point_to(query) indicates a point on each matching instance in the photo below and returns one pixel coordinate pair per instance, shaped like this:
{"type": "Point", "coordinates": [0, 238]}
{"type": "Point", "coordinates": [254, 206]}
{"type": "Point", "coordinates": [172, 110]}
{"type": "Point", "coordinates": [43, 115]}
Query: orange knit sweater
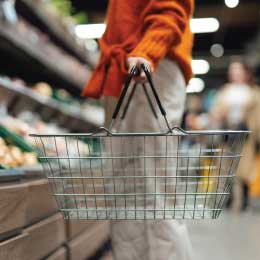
{"type": "Point", "coordinates": [151, 29]}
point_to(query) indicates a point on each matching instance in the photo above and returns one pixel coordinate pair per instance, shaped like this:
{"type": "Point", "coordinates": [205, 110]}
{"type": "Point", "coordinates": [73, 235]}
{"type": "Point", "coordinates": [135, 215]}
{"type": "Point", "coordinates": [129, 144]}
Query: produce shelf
{"type": "Point", "coordinates": [82, 122]}
{"type": "Point", "coordinates": [56, 65]}
{"type": "Point", "coordinates": [11, 174]}
{"type": "Point", "coordinates": [35, 12]}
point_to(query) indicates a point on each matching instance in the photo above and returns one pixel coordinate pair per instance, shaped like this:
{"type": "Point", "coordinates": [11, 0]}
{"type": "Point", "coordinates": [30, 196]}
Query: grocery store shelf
{"type": "Point", "coordinates": [28, 172]}
{"type": "Point", "coordinates": [89, 120]}
{"type": "Point", "coordinates": [35, 171]}
{"type": "Point", "coordinates": [62, 68]}
{"type": "Point", "coordinates": [35, 13]}
{"type": "Point", "coordinates": [11, 174]}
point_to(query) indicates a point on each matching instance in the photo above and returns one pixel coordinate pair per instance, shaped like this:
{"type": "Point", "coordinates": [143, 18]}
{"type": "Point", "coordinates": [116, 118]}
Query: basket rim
{"type": "Point", "coordinates": [176, 131]}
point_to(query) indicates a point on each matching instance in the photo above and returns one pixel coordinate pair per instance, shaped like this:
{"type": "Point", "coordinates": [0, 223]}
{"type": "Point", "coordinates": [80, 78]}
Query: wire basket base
{"type": "Point", "coordinates": [135, 214]}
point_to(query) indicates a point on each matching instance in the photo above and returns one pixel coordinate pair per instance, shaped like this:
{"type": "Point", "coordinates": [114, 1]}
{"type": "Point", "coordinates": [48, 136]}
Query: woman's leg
{"type": "Point", "coordinates": [154, 239]}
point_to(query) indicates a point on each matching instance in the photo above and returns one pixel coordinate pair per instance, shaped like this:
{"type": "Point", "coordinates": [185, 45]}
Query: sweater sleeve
{"type": "Point", "coordinates": [164, 24]}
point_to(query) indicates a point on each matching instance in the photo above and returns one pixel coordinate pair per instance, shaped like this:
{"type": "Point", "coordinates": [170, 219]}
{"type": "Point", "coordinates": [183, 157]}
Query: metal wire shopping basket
{"type": "Point", "coordinates": [175, 174]}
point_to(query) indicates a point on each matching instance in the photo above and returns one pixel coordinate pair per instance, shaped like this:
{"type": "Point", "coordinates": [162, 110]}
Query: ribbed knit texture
{"type": "Point", "coordinates": [152, 29]}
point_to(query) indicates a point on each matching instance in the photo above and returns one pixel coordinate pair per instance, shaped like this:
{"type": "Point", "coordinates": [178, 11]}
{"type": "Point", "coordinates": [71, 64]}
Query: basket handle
{"type": "Point", "coordinates": [150, 81]}
{"type": "Point", "coordinates": [132, 73]}
{"type": "Point", "coordinates": [130, 98]}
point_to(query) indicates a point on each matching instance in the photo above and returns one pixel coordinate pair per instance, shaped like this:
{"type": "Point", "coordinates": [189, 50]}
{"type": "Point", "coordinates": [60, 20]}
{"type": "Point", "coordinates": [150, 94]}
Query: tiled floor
{"type": "Point", "coordinates": [232, 237]}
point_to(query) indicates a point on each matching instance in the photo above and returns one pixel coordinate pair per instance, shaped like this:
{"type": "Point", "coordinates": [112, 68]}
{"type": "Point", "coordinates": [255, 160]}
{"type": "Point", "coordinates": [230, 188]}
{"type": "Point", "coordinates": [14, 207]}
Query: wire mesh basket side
{"type": "Point", "coordinates": [141, 177]}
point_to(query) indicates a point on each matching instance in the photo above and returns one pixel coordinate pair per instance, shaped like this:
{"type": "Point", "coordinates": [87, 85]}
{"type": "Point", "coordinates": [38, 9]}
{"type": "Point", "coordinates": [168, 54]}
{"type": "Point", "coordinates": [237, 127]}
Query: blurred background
{"type": "Point", "coordinates": [48, 49]}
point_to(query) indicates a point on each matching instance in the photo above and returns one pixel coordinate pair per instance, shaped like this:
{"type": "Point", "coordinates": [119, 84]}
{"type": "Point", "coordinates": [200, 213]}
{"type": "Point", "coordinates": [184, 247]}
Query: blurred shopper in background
{"type": "Point", "coordinates": [157, 34]}
{"type": "Point", "coordinates": [237, 107]}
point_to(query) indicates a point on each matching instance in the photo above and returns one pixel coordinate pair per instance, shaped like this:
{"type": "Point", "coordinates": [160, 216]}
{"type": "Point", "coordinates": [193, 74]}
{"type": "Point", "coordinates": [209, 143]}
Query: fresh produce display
{"type": "Point", "coordinates": [14, 139]}
{"type": "Point", "coordinates": [63, 96]}
{"type": "Point", "coordinates": [18, 149]}
{"type": "Point", "coordinates": [43, 89]}
{"type": "Point", "coordinates": [53, 98]}
{"type": "Point", "coordinates": [12, 156]}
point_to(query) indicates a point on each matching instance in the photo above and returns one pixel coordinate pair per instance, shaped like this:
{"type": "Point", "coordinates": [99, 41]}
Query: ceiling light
{"type": "Point", "coordinates": [204, 25]}
{"type": "Point", "coordinates": [231, 3]}
{"type": "Point", "coordinates": [217, 50]}
{"type": "Point", "coordinates": [200, 66]}
{"type": "Point", "coordinates": [95, 31]}
{"type": "Point", "coordinates": [196, 85]}
{"type": "Point", "coordinates": [90, 31]}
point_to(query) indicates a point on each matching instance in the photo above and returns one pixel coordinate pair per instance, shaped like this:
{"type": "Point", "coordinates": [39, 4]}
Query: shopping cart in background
{"type": "Point", "coordinates": [141, 175]}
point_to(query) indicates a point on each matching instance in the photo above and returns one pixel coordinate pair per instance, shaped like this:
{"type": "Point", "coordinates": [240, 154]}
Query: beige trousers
{"type": "Point", "coordinates": [152, 240]}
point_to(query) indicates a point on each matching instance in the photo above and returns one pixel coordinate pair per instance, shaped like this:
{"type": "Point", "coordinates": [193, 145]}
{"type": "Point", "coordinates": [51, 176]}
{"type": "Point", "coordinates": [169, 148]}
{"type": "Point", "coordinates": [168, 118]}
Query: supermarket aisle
{"type": "Point", "coordinates": [232, 237]}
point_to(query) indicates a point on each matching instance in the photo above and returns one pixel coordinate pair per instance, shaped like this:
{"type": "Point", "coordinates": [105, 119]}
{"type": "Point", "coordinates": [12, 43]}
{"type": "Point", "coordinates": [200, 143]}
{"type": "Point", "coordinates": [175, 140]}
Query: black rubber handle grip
{"type": "Point", "coordinates": [132, 73]}
{"type": "Point", "coordinates": [129, 101]}
{"type": "Point", "coordinates": [149, 78]}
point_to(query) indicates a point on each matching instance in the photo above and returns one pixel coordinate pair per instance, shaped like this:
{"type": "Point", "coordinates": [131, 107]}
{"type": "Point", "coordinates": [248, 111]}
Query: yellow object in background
{"type": "Point", "coordinates": [206, 182]}
{"type": "Point", "coordinates": [255, 185]}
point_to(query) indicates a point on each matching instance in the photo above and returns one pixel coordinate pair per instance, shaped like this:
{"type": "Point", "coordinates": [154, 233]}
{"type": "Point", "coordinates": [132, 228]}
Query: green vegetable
{"type": "Point", "coordinates": [13, 139]}
{"type": "Point", "coordinates": [65, 9]}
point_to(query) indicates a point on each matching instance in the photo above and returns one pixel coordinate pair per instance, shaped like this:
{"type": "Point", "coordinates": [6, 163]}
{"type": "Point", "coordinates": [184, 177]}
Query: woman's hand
{"type": "Point", "coordinates": [132, 61]}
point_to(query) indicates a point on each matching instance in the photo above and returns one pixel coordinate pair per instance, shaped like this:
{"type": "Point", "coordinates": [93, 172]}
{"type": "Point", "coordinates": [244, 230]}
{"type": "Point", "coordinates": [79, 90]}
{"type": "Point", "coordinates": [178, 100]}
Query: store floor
{"type": "Point", "coordinates": [232, 237]}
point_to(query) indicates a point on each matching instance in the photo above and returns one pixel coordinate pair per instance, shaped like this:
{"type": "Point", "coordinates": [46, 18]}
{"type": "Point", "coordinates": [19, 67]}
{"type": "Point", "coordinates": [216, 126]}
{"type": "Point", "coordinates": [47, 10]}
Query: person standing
{"type": "Point", "coordinates": [237, 105]}
{"type": "Point", "coordinates": [155, 33]}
